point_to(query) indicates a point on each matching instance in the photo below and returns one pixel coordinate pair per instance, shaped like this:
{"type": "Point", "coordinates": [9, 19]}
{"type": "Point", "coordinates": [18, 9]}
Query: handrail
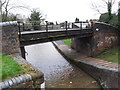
{"type": "Point", "coordinates": [8, 23]}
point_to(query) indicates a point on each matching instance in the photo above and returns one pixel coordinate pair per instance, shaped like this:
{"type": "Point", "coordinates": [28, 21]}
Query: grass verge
{"type": "Point", "coordinates": [10, 68]}
{"type": "Point", "coordinates": [68, 42]}
{"type": "Point", "coordinates": [110, 55]}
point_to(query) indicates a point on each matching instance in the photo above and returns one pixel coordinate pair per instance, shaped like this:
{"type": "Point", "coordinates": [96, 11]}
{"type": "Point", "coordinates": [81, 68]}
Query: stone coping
{"type": "Point", "coordinates": [23, 78]}
{"type": "Point", "coordinates": [8, 23]}
{"type": "Point", "coordinates": [67, 51]}
{"type": "Point", "coordinates": [19, 80]}
{"type": "Point", "coordinates": [103, 23]}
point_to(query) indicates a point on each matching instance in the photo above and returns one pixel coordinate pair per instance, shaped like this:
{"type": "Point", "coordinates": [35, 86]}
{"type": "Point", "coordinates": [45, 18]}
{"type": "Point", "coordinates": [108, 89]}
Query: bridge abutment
{"type": "Point", "coordinates": [104, 37]}
{"type": "Point", "coordinates": [83, 45]}
{"type": "Point", "coordinates": [9, 39]}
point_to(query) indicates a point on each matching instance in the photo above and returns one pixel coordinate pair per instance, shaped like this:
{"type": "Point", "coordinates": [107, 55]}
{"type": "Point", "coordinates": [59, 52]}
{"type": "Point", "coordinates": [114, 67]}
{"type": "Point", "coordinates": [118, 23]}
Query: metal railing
{"type": "Point", "coordinates": [48, 27]}
{"type": "Point", "coordinates": [35, 25]}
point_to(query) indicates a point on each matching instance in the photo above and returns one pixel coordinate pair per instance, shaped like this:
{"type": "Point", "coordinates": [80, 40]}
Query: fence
{"type": "Point", "coordinates": [37, 25]}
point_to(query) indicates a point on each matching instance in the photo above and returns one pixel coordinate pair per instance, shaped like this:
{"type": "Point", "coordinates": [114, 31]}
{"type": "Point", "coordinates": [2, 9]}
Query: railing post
{"type": "Point", "coordinates": [23, 26]}
{"type": "Point", "coordinates": [19, 29]}
{"type": "Point", "coordinates": [47, 27]}
{"type": "Point", "coordinates": [81, 25]}
{"type": "Point", "coordinates": [66, 26]}
{"type": "Point", "coordinates": [92, 25]}
{"type": "Point", "coordinates": [72, 25]}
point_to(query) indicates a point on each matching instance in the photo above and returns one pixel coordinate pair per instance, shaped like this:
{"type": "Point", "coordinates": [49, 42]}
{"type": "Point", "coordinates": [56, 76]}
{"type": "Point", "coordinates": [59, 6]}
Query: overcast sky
{"type": "Point", "coordinates": [62, 10]}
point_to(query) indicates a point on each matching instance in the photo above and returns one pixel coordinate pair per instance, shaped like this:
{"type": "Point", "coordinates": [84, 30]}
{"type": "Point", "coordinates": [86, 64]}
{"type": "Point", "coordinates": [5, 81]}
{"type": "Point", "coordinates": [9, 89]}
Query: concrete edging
{"type": "Point", "coordinates": [106, 76]}
{"type": "Point", "coordinates": [19, 80]}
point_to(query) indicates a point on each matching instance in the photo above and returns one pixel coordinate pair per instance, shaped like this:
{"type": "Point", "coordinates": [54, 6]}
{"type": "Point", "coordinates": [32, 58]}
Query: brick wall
{"type": "Point", "coordinates": [104, 37]}
{"type": "Point", "coordinates": [9, 38]}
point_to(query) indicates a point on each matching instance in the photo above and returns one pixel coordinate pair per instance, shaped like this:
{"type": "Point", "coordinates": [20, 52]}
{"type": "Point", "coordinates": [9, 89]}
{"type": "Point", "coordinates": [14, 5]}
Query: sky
{"type": "Point", "coordinates": [64, 10]}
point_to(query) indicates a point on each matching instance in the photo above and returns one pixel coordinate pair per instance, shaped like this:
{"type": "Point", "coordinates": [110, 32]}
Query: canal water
{"type": "Point", "coordinates": [58, 72]}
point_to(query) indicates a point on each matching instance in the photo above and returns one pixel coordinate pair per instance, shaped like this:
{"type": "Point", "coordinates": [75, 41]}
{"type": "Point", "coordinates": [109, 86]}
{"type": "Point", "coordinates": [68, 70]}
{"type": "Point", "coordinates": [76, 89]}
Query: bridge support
{"type": "Point", "coordinates": [104, 37]}
{"type": "Point", "coordinates": [23, 52]}
{"type": "Point", "coordinates": [9, 38]}
{"type": "Point", "coordinates": [83, 45]}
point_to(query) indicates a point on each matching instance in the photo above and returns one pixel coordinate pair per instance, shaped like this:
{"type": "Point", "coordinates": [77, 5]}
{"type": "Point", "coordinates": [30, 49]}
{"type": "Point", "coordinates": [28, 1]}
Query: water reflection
{"type": "Point", "coordinates": [58, 72]}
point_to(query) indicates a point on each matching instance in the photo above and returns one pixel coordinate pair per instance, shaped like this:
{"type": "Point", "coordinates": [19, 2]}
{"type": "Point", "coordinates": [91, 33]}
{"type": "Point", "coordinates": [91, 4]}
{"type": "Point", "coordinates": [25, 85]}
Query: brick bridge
{"type": "Point", "coordinates": [93, 39]}
{"type": "Point", "coordinates": [88, 41]}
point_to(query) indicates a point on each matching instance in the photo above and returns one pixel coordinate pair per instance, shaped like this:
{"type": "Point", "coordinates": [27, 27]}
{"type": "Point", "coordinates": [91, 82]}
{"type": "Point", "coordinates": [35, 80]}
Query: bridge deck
{"type": "Point", "coordinates": [34, 37]}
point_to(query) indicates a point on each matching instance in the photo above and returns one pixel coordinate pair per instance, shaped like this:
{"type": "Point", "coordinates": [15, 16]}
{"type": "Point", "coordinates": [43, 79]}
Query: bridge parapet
{"type": "Point", "coordinates": [105, 36]}
{"type": "Point", "coordinates": [9, 38]}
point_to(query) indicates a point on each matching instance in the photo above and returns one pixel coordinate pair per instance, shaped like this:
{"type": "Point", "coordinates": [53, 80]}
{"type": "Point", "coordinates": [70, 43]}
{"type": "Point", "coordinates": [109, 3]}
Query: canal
{"type": "Point", "coordinates": [58, 72]}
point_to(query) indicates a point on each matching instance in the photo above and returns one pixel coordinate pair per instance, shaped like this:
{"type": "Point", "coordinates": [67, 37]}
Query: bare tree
{"type": "Point", "coordinates": [7, 5]}
{"type": "Point", "coordinates": [107, 4]}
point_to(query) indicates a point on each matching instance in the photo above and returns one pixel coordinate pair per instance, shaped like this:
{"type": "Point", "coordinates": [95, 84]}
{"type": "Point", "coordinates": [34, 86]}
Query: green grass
{"type": "Point", "coordinates": [10, 68]}
{"type": "Point", "coordinates": [68, 42]}
{"type": "Point", "coordinates": [110, 55]}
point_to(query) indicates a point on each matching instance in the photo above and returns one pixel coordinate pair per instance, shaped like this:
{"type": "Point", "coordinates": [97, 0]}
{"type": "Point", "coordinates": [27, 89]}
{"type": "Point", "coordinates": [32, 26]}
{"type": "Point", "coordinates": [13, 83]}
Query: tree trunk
{"type": "Point", "coordinates": [119, 15]}
{"type": "Point", "coordinates": [109, 10]}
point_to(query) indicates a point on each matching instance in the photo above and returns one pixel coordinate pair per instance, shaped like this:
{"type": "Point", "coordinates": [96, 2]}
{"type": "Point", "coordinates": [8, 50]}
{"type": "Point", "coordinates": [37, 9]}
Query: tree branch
{"type": "Point", "coordinates": [2, 3]}
{"type": "Point", "coordinates": [18, 7]}
{"type": "Point", "coordinates": [95, 7]}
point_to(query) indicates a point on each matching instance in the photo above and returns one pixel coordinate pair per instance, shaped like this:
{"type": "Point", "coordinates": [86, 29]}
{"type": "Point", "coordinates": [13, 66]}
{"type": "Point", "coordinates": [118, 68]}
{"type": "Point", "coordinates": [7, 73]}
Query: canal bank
{"type": "Point", "coordinates": [58, 72]}
{"type": "Point", "coordinates": [106, 73]}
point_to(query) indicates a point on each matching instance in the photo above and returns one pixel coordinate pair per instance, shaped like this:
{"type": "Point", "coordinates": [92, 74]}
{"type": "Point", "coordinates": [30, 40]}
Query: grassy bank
{"type": "Point", "coordinates": [68, 42]}
{"type": "Point", "coordinates": [109, 55]}
{"type": "Point", "coordinates": [10, 68]}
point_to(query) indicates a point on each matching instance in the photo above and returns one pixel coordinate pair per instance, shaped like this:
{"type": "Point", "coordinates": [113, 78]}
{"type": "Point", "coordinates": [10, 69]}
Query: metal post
{"type": "Point", "coordinates": [92, 25]}
{"type": "Point", "coordinates": [23, 52]}
{"type": "Point", "coordinates": [72, 25]}
{"type": "Point", "coordinates": [23, 26]}
{"type": "Point", "coordinates": [66, 26]}
{"type": "Point", "coordinates": [47, 27]}
{"type": "Point", "coordinates": [19, 30]}
{"type": "Point", "coordinates": [81, 25]}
